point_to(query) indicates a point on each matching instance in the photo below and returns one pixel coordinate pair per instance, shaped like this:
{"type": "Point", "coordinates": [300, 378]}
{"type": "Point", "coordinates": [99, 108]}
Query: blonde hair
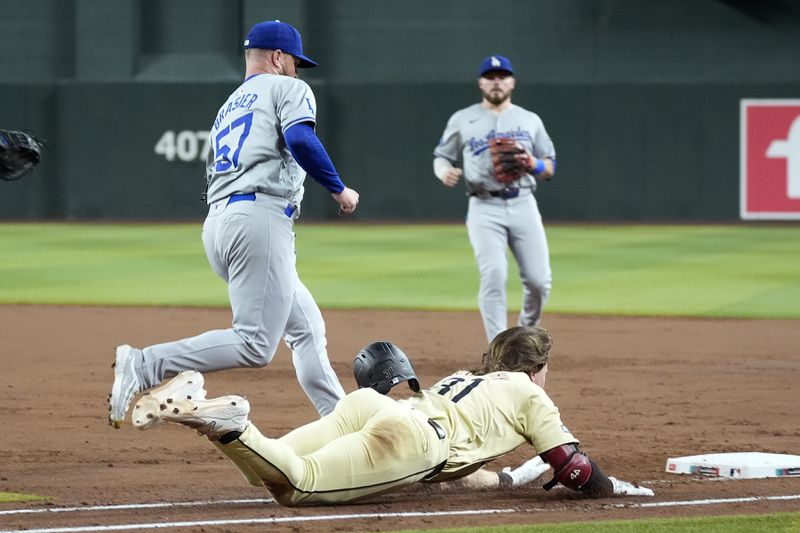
{"type": "Point", "coordinates": [518, 349]}
{"type": "Point", "coordinates": [257, 54]}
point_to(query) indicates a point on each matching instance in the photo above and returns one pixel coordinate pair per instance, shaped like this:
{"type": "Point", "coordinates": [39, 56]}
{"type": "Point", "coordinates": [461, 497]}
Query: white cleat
{"type": "Point", "coordinates": [125, 387]}
{"type": "Point", "coordinates": [188, 385]}
{"type": "Point", "coordinates": [212, 418]}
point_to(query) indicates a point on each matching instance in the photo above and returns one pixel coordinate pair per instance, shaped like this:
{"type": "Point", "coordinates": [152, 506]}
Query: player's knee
{"type": "Point", "coordinates": [287, 498]}
{"type": "Point", "coordinates": [259, 353]}
{"type": "Point", "coordinates": [537, 283]}
{"type": "Point", "coordinates": [493, 276]}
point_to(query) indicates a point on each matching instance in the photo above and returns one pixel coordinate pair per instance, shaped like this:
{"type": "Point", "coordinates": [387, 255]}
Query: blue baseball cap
{"type": "Point", "coordinates": [277, 35]}
{"type": "Point", "coordinates": [496, 63]}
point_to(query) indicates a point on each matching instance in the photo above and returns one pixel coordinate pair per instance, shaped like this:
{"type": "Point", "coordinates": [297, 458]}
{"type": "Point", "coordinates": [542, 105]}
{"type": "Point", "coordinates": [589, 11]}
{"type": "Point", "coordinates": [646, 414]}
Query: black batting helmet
{"type": "Point", "coordinates": [382, 365]}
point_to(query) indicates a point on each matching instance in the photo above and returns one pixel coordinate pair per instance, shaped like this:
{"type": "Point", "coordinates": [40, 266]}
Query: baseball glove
{"type": "Point", "coordinates": [19, 154]}
{"type": "Point", "coordinates": [509, 158]}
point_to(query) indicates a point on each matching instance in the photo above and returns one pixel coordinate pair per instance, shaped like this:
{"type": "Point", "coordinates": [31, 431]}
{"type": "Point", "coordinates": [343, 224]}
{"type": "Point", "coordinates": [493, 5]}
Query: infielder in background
{"type": "Point", "coordinates": [262, 145]}
{"type": "Point", "coordinates": [503, 150]}
{"type": "Point", "coordinates": [372, 443]}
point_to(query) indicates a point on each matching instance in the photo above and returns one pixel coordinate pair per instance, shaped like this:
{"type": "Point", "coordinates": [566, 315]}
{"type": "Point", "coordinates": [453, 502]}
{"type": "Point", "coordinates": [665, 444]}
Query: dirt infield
{"type": "Point", "coordinates": [634, 390]}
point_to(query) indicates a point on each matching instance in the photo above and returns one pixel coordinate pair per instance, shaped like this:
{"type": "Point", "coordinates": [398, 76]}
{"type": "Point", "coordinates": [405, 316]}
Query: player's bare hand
{"type": "Point", "coordinates": [347, 200]}
{"type": "Point", "coordinates": [451, 176]}
{"type": "Point", "coordinates": [526, 159]}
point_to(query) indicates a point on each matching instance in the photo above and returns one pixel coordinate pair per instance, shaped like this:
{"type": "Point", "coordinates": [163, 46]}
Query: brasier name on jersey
{"type": "Point", "coordinates": [244, 101]}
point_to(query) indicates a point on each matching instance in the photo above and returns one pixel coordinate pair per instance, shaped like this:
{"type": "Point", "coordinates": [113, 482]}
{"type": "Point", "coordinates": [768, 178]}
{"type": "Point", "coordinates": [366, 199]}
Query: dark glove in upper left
{"type": "Point", "coordinates": [20, 152]}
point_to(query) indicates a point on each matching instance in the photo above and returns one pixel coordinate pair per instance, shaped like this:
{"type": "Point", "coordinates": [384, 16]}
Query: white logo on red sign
{"type": "Point", "coordinates": [789, 149]}
{"type": "Point", "coordinates": [770, 159]}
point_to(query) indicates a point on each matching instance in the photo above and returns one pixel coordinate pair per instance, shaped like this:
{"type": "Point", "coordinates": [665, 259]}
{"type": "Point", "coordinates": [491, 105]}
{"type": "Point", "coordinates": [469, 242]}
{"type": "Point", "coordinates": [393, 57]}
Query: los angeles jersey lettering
{"type": "Point", "coordinates": [466, 137]}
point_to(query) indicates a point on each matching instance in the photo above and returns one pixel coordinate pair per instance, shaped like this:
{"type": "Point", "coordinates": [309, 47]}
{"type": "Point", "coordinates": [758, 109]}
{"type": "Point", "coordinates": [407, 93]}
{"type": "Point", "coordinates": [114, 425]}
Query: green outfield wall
{"type": "Point", "coordinates": [640, 98]}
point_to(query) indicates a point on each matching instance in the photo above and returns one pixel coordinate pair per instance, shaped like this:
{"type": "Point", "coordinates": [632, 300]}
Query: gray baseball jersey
{"type": "Point", "coordinates": [255, 187]}
{"type": "Point", "coordinates": [248, 152]}
{"type": "Point", "coordinates": [466, 141]}
{"type": "Point", "coordinates": [497, 223]}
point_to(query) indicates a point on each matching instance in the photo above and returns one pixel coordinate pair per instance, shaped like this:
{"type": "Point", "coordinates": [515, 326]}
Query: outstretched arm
{"type": "Point", "coordinates": [507, 478]}
{"type": "Point", "coordinates": [309, 153]}
{"type": "Point", "coordinates": [575, 470]}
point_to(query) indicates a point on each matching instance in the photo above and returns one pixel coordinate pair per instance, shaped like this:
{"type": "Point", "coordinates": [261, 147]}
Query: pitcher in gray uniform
{"type": "Point", "coordinates": [262, 146]}
{"type": "Point", "coordinates": [500, 215]}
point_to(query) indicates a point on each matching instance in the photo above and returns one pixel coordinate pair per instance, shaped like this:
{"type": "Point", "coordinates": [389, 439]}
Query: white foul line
{"type": "Point", "coordinates": [250, 521]}
{"type": "Point", "coordinates": [125, 506]}
{"type": "Point", "coordinates": [318, 518]}
{"type": "Point", "coordinates": [711, 501]}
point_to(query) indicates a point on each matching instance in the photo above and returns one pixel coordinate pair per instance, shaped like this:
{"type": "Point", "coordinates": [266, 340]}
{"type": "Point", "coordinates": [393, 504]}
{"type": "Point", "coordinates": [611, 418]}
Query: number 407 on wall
{"type": "Point", "coordinates": [185, 145]}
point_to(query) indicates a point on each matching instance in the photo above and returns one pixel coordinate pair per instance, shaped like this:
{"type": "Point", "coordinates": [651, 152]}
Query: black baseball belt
{"type": "Point", "coordinates": [506, 194]}
{"type": "Point", "coordinates": [437, 428]}
{"type": "Point", "coordinates": [441, 434]}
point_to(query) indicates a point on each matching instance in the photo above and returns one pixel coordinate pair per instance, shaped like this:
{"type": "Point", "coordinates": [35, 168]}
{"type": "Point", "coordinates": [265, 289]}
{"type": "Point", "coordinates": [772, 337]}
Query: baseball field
{"type": "Point", "coordinates": [670, 340]}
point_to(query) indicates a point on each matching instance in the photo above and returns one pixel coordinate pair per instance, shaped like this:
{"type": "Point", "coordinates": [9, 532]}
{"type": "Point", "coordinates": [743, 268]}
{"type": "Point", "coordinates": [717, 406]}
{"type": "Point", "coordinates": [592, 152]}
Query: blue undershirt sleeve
{"type": "Point", "coordinates": [309, 153]}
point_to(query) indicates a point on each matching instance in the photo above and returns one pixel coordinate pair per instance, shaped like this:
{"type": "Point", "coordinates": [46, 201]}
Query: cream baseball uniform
{"type": "Point", "coordinates": [371, 443]}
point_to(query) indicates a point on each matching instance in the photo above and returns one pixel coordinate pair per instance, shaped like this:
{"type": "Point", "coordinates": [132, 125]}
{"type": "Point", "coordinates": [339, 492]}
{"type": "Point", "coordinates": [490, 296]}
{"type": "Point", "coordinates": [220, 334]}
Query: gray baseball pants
{"type": "Point", "coordinates": [250, 244]}
{"type": "Point", "coordinates": [495, 225]}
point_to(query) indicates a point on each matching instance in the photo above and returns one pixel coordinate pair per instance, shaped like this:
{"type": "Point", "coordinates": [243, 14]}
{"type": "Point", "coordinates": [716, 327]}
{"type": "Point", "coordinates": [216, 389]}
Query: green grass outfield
{"type": "Point", "coordinates": [663, 270]}
{"type": "Point", "coordinates": [780, 522]}
{"type": "Point", "coordinates": [9, 497]}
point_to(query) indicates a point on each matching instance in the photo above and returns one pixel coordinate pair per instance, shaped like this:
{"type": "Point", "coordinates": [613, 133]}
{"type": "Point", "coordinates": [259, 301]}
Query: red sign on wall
{"type": "Point", "coordinates": [770, 160]}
